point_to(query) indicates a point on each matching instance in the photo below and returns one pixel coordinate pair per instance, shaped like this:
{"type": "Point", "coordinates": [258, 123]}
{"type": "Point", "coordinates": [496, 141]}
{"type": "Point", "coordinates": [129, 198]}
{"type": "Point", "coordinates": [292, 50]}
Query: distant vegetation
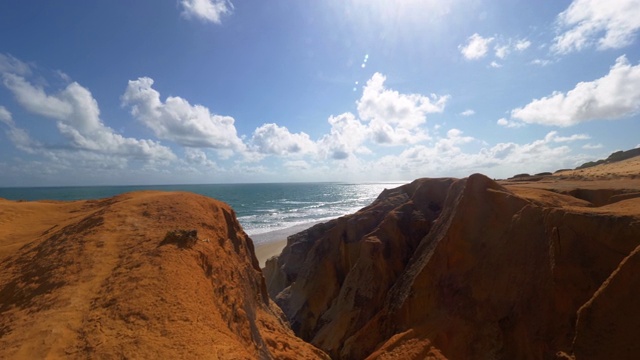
{"type": "Point", "coordinates": [616, 156]}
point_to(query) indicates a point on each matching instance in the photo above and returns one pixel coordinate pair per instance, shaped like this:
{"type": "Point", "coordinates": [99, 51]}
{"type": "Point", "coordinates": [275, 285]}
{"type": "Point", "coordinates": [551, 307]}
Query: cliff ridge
{"type": "Point", "coordinates": [455, 268]}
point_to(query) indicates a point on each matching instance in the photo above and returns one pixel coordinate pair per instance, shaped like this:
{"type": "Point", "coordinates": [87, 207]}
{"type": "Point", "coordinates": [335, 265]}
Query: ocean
{"type": "Point", "coordinates": [261, 208]}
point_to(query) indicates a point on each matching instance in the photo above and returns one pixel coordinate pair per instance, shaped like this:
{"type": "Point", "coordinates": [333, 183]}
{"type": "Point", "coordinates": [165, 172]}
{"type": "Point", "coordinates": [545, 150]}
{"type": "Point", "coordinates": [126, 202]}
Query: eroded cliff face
{"type": "Point", "coordinates": [456, 268]}
{"type": "Point", "coordinates": [347, 266]}
{"type": "Point", "coordinates": [608, 323]}
{"type": "Point", "coordinates": [141, 275]}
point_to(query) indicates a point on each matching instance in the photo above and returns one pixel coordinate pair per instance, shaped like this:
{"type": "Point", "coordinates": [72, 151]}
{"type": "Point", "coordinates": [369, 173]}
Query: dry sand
{"type": "Point", "coordinates": [99, 279]}
{"type": "Point", "coordinates": [268, 250]}
{"type": "Point", "coordinates": [270, 244]}
{"type": "Point", "coordinates": [625, 168]}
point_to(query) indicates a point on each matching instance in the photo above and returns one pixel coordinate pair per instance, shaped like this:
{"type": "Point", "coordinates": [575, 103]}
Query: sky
{"type": "Point", "coordinates": [223, 91]}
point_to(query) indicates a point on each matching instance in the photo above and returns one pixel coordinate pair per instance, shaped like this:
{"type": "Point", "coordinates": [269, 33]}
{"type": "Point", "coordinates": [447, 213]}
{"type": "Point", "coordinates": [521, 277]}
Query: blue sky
{"type": "Point", "coordinates": [210, 91]}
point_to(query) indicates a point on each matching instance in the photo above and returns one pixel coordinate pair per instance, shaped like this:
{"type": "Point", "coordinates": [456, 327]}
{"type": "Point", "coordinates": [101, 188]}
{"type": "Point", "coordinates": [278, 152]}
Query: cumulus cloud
{"type": "Point", "coordinates": [495, 65]}
{"type": "Point", "coordinates": [198, 157]}
{"type": "Point", "coordinates": [604, 24]}
{"type": "Point", "coordinates": [385, 117]}
{"type": "Point", "coordinates": [78, 119]}
{"type": "Point", "coordinates": [476, 47]}
{"type": "Point", "coordinates": [346, 137]}
{"type": "Point", "coordinates": [454, 137]}
{"type": "Point", "coordinates": [468, 112]}
{"type": "Point", "coordinates": [177, 120]}
{"type": "Point", "coordinates": [429, 159]}
{"type": "Point", "coordinates": [277, 140]}
{"type": "Point", "coordinates": [395, 118]}
{"type": "Point", "coordinates": [35, 100]}
{"type": "Point", "coordinates": [206, 10]}
{"type": "Point", "coordinates": [613, 96]}
{"type": "Point", "coordinates": [447, 157]}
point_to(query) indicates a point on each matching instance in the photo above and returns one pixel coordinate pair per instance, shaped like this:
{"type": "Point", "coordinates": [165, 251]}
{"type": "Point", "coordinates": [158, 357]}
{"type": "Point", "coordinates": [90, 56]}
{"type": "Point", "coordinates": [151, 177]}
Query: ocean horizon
{"type": "Point", "coordinates": [261, 208]}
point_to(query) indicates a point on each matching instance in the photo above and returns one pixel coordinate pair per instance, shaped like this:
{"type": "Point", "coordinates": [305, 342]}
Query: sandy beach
{"type": "Point", "coordinates": [271, 243]}
{"type": "Point", "coordinates": [265, 251]}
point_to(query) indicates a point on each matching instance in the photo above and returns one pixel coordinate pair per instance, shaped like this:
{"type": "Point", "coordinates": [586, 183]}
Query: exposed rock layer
{"type": "Point", "coordinates": [464, 269]}
{"type": "Point", "coordinates": [141, 275]}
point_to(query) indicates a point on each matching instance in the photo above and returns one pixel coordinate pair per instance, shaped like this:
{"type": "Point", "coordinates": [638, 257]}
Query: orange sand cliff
{"type": "Point", "coordinates": [473, 269]}
{"type": "Point", "coordinates": [100, 279]}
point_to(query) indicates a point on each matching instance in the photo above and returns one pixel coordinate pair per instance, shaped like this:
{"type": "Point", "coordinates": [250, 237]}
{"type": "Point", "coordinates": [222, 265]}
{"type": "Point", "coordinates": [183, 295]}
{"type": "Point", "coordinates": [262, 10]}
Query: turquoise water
{"type": "Point", "coordinates": [260, 207]}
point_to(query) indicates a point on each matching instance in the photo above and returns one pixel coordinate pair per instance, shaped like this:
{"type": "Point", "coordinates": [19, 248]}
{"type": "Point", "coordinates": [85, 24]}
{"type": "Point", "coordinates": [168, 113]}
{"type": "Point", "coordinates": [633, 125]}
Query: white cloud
{"type": "Point", "coordinates": [592, 146]}
{"type": "Point", "coordinates": [73, 167]}
{"type": "Point", "coordinates": [395, 118]}
{"type": "Point", "coordinates": [296, 165]}
{"type": "Point", "coordinates": [454, 137]}
{"type": "Point", "coordinates": [553, 136]}
{"type": "Point", "coordinates": [446, 157]}
{"type": "Point", "coordinates": [476, 47]}
{"type": "Point", "coordinates": [277, 140]}
{"type": "Point", "coordinates": [35, 100]}
{"type": "Point", "coordinates": [605, 24]}
{"type": "Point", "coordinates": [468, 112]}
{"type": "Point", "coordinates": [540, 62]}
{"type": "Point", "coordinates": [178, 121]}
{"type": "Point", "coordinates": [63, 76]}
{"type": "Point", "coordinates": [346, 137]}
{"type": "Point", "coordinates": [78, 120]}
{"type": "Point", "coordinates": [613, 96]}
{"type": "Point", "coordinates": [206, 10]}
{"type": "Point", "coordinates": [9, 64]}
{"type": "Point", "coordinates": [19, 137]}
{"type": "Point", "coordinates": [522, 44]}
{"type": "Point", "coordinates": [495, 65]}
{"type": "Point", "coordinates": [5, 115]}
{"type": "Point", "coordinates": [444, 153]}
{"type": "Point", "coordinates": [502, 51]}
{"type": "Point", "coordinates": [510, 124]}
{"type": "Point", "coordinates": [198, 157]}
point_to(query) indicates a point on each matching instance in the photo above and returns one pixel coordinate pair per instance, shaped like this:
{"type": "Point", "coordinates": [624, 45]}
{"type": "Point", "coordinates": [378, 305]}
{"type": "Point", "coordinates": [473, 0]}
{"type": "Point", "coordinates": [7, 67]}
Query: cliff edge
{"type": "Point", "coordinates": [468, 269]}
{"type": "Point", "coordinates": [141, 275]}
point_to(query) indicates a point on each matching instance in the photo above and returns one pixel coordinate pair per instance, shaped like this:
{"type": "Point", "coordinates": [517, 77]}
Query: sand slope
{"type": "Point", "coordinates": [100, 279]}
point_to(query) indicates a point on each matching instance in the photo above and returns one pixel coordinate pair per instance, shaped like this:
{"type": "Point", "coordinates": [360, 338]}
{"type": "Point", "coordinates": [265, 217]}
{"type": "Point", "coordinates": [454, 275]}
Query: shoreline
{"type": "Point", "coordinates": [271, 243]}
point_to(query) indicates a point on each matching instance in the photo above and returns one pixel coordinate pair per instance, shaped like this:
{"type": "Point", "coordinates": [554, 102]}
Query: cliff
{"type": "Point", "coordinates": [141, 275]}
{"type": "Point", "coordinates": [469, 269]}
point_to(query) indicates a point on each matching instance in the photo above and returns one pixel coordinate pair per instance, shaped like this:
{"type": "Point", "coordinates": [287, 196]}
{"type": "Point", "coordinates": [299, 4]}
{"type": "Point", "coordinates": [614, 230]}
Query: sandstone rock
{"type": "Point", "coordinates": [465, 269]}
{"type": "Point", "coordinates": [608, 324]}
